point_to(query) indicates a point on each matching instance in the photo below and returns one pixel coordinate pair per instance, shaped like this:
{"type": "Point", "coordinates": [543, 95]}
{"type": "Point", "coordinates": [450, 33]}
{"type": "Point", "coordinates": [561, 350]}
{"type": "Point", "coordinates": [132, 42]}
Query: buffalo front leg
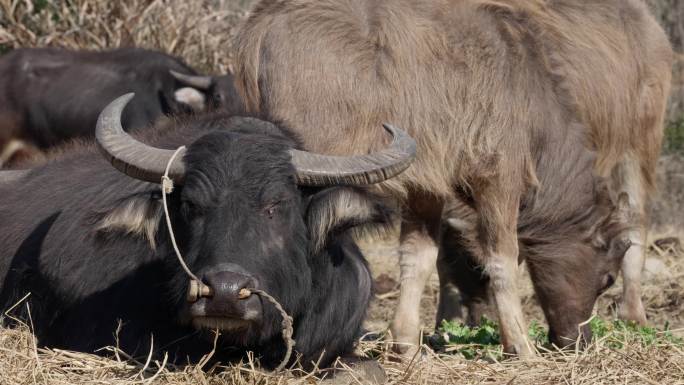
{"type": "Point", "coordinates": [498, 240]}
{"type": "Point", "coordinates": [632, 308]}
{"type": "Point", "coordinates": [501, 266]}
{"type": "Point", "coordinates": [418, 256]}
{"type": "Point", "coordinates": [628, 179]}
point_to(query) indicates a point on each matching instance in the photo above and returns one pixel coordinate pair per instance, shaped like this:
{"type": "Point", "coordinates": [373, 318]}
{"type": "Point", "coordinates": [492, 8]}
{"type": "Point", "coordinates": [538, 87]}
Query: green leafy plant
{"type": "Point", "coordinates": [470, 342]}
{"type": "Point", "coordinates": [483, 341]}
{"type": "Point", "coordinates": [39, 5]}
{"type": "Point", "coordinates": [537, 333]}
{"type": "Point", "coordinates": [617, 334]}
{"type": "Point", "coordinates": [674, 136]}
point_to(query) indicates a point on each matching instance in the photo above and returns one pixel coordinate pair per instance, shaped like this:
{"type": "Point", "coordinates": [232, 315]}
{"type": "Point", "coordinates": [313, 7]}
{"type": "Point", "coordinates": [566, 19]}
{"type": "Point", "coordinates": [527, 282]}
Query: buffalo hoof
{"type": "Point", "coordinates": [356, 371]}
{"type": "Point", "coordinates": [405, 345]}
{"type": "Point", "coordinates": [405, 352]}
{"type": "Point", "coordinates": [521, 351]}
{"type": "Point", "coordinates": [633, 312]}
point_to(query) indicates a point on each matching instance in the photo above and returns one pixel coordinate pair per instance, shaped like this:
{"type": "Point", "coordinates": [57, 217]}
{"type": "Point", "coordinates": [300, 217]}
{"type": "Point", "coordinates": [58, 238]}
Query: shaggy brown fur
{"type": "Point", "coordinates": [516, 107]}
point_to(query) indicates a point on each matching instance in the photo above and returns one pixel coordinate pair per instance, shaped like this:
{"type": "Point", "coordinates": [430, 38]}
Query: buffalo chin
{"type": "Point", "coordinates": [222, 324]}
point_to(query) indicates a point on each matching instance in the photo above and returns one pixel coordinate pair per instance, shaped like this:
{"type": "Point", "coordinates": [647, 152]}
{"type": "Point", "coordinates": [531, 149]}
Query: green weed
{"type": "Point", "coordinates": [484, 340]}
{"type": "Point", "coordinates": [674, 136]}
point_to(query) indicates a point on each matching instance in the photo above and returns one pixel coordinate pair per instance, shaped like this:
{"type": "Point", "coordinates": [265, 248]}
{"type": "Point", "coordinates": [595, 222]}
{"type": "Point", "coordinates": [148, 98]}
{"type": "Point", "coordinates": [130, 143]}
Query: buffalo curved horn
{"type": "Point", "coordinates": [130, 156]}
{"type": "Point", "coordinates": [196, 81]}
{"type": "Point", "coordinates": [325, 170]}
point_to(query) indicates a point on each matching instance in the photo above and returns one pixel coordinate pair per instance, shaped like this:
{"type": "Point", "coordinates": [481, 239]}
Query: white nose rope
{"type": "Point", "coordinates": [198, 289]}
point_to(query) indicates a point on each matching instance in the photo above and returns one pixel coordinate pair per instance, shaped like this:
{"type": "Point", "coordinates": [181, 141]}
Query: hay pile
{"type": "Point", "coordinates": [22, 362]}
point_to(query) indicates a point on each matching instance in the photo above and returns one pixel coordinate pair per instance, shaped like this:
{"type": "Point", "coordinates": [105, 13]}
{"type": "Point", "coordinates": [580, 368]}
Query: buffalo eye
{"type": "Point", "coordinates": [189, 208]}
{"type": "Point", "coordinates": [218, 99]}
{"type": "Point", "coordinates": [272, 209]}
{"type": "Point", "coordinates": [607, 281]}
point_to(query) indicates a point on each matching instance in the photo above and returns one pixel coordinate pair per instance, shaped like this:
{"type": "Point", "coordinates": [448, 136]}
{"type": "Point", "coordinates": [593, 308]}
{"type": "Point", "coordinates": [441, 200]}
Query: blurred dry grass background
{"type": "Point", "coordinates": [670, 14]}
{"type": "Point", "coordinates": [200, 31]}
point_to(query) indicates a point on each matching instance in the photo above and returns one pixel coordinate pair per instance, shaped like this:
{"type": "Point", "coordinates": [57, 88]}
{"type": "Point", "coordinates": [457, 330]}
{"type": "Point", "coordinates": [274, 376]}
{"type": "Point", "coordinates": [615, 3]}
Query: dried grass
{"type": "Point", "coordinates": [21, 362]}
{"type": "Point", "coordinates": [200, 31]}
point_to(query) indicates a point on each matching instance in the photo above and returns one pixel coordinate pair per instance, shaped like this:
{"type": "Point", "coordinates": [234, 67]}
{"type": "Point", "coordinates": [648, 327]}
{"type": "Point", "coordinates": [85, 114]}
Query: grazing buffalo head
{"type": "Point", "coordinates": [569, 269]}
{"type": "Point", "coordinates": [574, 269]}
{"type": "Point", "coordinates": [220, 91]}
{"type": "Point", "coordinates": [251, 211]}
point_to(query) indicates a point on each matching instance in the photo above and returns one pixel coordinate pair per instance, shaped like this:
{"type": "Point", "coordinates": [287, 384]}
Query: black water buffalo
{"type": "Point", "coordinates": [48, 95]}
{"type": "Point", "coordinates": [249, 210]}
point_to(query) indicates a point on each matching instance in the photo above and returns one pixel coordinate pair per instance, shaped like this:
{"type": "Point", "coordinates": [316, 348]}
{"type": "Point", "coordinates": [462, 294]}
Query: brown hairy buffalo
{"type": "Point", "coordinates": [538, 122]}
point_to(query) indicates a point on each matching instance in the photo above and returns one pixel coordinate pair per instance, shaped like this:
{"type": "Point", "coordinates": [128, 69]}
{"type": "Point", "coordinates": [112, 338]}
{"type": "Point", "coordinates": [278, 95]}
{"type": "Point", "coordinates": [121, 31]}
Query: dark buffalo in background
{"type": "Point", "coordinates": [49, 95]}
{"type": "Point", "coordinates": [90, 243]}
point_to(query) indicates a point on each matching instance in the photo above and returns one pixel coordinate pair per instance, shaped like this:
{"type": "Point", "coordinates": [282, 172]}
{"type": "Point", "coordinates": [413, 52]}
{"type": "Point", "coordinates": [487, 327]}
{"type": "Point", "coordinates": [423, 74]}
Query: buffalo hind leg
{"type": "Point", "coordinates": [449, 307]}
{"type": "Point", "coordinates": [462, 281]}
{"type": "Point", "coordinates": [418, 256]}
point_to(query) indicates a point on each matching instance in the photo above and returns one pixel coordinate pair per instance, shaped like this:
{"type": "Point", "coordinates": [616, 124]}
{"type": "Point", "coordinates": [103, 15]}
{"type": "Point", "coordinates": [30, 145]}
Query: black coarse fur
{"type": "Point", "coordinates": [51, 94]}
{"type": "Point", "coordinates": [239, 205]}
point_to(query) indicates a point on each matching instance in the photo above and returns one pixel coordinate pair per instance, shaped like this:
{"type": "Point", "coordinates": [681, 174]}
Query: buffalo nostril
{"type": "Point", "coordinates": [231, 298]}
{"type": "Point", "coordinates": [244, 293]}
{"type": "Point", "coordinates": [197, 290]}
{"type": "Point", "coordinates": [229, 285]}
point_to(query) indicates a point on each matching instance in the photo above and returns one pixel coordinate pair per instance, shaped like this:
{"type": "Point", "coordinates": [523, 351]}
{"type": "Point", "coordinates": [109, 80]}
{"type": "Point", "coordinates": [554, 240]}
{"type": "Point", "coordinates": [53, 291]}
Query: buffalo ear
{"type": "Point", "coordinates": [619, 247]}
{"type": "Point", "coordinates": [138, 215]}
{"type": "Point", "coordinates": [335, 210]}
{"type": "Point", "coordinates": [191, 97]}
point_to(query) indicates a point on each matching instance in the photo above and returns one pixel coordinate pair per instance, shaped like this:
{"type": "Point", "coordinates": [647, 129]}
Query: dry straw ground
{"type": "Point", "coordinates": [22, 362]}
{"type": "Point", "coordinates": [200, 31]}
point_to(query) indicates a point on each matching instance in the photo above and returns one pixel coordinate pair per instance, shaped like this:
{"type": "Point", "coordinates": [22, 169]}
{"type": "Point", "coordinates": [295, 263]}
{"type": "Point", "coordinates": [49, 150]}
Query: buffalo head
{"type": "Point", "coordinates": [251, 211]}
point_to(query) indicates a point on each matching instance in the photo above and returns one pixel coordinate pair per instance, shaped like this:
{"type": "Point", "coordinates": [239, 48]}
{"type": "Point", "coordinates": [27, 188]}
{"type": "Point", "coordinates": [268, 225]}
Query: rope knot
{"type": "Point", "coordinates": [167, 184]}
